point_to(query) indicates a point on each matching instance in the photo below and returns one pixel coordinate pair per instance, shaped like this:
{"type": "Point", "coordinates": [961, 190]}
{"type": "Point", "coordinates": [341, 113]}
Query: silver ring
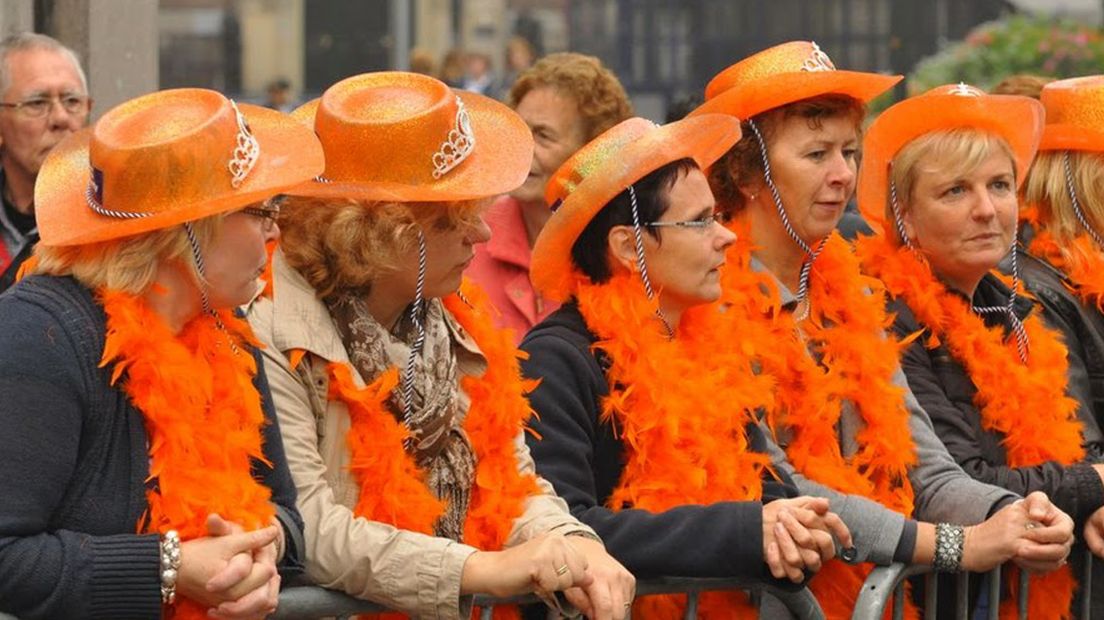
{"type": "Point", "coordinates": [1030, 525]}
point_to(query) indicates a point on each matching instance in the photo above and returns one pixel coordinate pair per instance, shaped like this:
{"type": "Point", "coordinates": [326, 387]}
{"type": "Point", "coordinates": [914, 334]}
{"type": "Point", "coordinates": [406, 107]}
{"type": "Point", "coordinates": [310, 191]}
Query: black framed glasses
{"type": "Point", "coordinates": [701, 223]}
{"type": "Point", "coordinates": [37, 107]}
{"type": "Point", "coordinates": [268, 211]}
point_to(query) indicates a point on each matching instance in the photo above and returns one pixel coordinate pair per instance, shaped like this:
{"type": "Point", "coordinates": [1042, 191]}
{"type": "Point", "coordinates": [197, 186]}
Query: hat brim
{"type": "Point", "coordinates": [1017, 120]}
{"type": "Point", "coordinates": [498, 164]}
{"type": "Point", "coordinates": [1065, 137]}
{"type": "Point", "coordinates": [703, 138]}
{"type": "Point", "coordinates": [775, 91]}
{"type": "Point", "coordinates": [288, 156]}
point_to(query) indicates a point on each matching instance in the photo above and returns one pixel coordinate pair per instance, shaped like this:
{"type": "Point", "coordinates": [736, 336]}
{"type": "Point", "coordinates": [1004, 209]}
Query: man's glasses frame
{"type": "Point", "coordinates": [40, 106]}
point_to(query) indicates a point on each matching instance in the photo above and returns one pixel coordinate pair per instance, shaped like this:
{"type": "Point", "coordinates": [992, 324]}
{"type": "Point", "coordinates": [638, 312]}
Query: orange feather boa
{"type": "Point", "coordinates": [1024, 403]}
{"type": "Point", "coordinates": [1081, 260]}
{"type": "Point", "coordinates": [393, 489]}
{"type": "Point", "coordinates": [846, 328]}
{"type": "Point", "coordinates": [680, 406]}
{"type": "Point", "coordinates": [202, 413]}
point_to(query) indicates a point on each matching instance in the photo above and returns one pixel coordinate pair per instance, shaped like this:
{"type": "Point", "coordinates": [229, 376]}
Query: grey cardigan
{"type": "Point", "coordinates": [943, 491]}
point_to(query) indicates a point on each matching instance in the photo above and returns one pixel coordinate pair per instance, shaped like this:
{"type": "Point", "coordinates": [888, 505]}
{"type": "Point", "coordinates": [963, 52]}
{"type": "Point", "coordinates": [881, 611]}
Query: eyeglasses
{"type": "Point", "coordinates": [268, 211]}
{"type": "Point", "coordinates": [37, 107]}
{"type": "Point", "coordinates": [701, 223]}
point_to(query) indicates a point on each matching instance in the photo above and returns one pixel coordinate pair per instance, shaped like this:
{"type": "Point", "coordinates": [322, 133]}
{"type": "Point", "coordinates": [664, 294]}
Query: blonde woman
{"type": "Point", "coordinates": [144, 475]}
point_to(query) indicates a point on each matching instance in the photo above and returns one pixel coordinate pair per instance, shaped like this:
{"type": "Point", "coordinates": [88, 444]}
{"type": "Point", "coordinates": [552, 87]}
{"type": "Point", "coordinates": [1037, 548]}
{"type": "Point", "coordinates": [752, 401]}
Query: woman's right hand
{"type": "Point", "coordinates": [798, 535]}
{"type": "Point", "coordinates": [203, 558]}
{"type": "Point", "coordinates": [1016, 531]}
{"type": "Point", "coordinates": [545, 564]}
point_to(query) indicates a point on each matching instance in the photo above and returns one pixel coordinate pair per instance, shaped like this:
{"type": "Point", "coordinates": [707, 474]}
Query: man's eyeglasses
{"type": "Point", "coordinates": [37, 107]}
{"type": "Point", "coordinates": [268, 211]}
{"type": "Point", "coordinates": [701, 223]}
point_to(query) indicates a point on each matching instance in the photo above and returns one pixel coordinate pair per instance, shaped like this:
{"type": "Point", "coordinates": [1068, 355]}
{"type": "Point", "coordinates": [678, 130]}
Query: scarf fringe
{"type": "Point", "coordinates": [1025, 403]}
{"type": "Point", "coordinates": [847, 328]}
{"type": "Point", "coordinates": [202, 413]}
{"type": "Point", "coordinates": [393, 488]}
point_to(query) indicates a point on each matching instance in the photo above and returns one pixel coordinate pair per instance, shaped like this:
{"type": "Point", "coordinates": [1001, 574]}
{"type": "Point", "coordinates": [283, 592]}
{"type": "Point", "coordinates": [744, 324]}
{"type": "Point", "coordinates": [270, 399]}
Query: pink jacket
{"type": "Point", "coordinates": [501, 268]}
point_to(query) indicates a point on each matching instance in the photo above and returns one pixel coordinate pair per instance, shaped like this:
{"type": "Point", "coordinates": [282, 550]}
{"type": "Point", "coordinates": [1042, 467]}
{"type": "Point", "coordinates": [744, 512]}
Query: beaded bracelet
{"type": "Point", "coordinates": [170, 564]}
{"type": "Point", "coordinates": [949, 543]}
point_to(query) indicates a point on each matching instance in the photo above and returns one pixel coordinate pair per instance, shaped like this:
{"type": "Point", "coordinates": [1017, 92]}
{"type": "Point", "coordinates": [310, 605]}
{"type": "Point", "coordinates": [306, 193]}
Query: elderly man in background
{"type": "Point", "coordinates": [43, 98]}
{"type": "Point", "coordinates": [567, 100]}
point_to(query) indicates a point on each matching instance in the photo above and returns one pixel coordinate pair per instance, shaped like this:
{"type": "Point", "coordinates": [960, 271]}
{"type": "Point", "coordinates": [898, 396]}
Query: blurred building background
{"type": "Point", "coordinates": [661, 49]}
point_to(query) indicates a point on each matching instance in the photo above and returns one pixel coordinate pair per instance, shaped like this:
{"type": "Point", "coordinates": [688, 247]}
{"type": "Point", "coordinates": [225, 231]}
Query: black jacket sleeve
{"type": "Point", "coordinates": [573, 453]}
{"type": "Point", "coordinates": [277, 477]}
{"type": "Point", "coordinates": [47, 572]}
{"type": "Point", "coordinates": [945, 391]}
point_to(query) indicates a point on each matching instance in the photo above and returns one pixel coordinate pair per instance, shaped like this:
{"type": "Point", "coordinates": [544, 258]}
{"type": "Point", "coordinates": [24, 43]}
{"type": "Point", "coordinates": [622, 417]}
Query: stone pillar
{"type": "Point", "coordinates": [272, 45]}
{"type": "Point", "coordinates": [116, 40]}
{"type": "Point", "coordinates": [16, 16]}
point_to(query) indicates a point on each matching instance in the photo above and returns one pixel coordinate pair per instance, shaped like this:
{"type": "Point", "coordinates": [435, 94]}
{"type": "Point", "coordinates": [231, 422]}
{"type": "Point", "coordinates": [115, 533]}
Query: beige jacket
{"type": "Point", "coordinates": [404, 570]}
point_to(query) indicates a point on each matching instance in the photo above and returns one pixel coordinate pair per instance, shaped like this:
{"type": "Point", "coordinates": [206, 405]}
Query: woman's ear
{"type": "Point", "coordinates": [621, 248]}
{"type": "Point", "coordinates": [750, 192]}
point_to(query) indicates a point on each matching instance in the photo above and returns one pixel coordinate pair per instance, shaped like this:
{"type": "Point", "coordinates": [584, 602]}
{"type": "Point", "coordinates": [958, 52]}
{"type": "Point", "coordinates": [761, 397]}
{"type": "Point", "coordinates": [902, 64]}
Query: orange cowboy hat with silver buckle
{"type": "Point", "coordinates": [784, 74]}
{"type": "Point", "coordinates": [1073, 114]}
{"type": "Point", "coordinates": [607, 166]}
{"type": "Point", "coordinates": [168, 158]}
{"type": "Point", "coordinates": [408, 137]}
{"type": "Point", "coordinates": [1016, 119]}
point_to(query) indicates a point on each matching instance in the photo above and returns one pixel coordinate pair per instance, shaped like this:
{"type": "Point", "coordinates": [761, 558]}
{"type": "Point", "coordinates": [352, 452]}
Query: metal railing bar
{"type": "Point", "coordinates": [691, 606]}
{"type": "Point", "coordinates": [931, 595]}
{"type": "Point", "coordinates": [1024, 595]}
{"type": "Point", "coordinates": [994, 585]}
{"type": "Point", "coordinates": [962, 596]}
{"type": "Point", "coordinates": [313, 602]}
{"type": "Point", "coordinates": [1086, 584]}
{"type": "Point", "coordinates": [899, 602]}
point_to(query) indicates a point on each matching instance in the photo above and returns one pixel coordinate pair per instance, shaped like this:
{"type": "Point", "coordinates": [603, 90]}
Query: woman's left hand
{"type": "Point", "coordinates": [238, 568]}
{"type": "Point", "coordinates": [609, 595]}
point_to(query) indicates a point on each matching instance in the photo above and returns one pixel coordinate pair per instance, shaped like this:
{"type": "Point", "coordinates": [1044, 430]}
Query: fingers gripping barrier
{"type": "Point", "coordinates": [302, 603]}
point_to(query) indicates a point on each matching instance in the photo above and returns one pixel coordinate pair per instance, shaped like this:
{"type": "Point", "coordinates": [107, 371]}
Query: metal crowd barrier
{"type": "Point", "coordinates": [303, 603]}
{"type": "Point", "coordinates": [887, 583]}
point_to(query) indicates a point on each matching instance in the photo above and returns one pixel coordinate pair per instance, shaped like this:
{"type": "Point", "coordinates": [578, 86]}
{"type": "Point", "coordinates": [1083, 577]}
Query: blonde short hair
{"type": "Point", "coordinates": [1045, 189]}
{"type": "Point", "coordinates": [341, 245]}
{"type": "Point", "coordinates": [958, 149]}
{"type": "Point", "coordinates": [128, 264]}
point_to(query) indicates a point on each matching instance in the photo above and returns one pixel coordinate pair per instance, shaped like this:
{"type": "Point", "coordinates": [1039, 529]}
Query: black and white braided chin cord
{"type": "Point", "coordinates": [417, 315]}
{"type": "Point", "coordinates": [638, 238]}
{"type": "Point", "coordinates": [1077, 203]}
{"type": "Point", "coordinates": [811, 254]}
{"type": "Point", "coordinates": [197, 256]}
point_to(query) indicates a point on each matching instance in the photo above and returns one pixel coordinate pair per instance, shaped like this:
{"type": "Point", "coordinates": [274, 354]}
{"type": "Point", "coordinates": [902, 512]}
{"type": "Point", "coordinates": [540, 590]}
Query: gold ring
{"type": "Point", "coordinates": [1030, 525]}
{"type": "Point", "coordinates": [562, 570]}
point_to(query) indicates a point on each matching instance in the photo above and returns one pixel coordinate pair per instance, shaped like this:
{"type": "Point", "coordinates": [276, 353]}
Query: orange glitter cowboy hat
{"type": "Point", "coordinates": [168, 158]}
{"type": "Point", "coordinates": [1073, 114]}
{"type": "Point", "coordinates": [1016, 119]}
{"type": "Point", "coordinates": [408, 137]}
{"type": "Point", "coordinates": [604, 168]}
{"type": "Point", "coordinates": [784, 74]}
